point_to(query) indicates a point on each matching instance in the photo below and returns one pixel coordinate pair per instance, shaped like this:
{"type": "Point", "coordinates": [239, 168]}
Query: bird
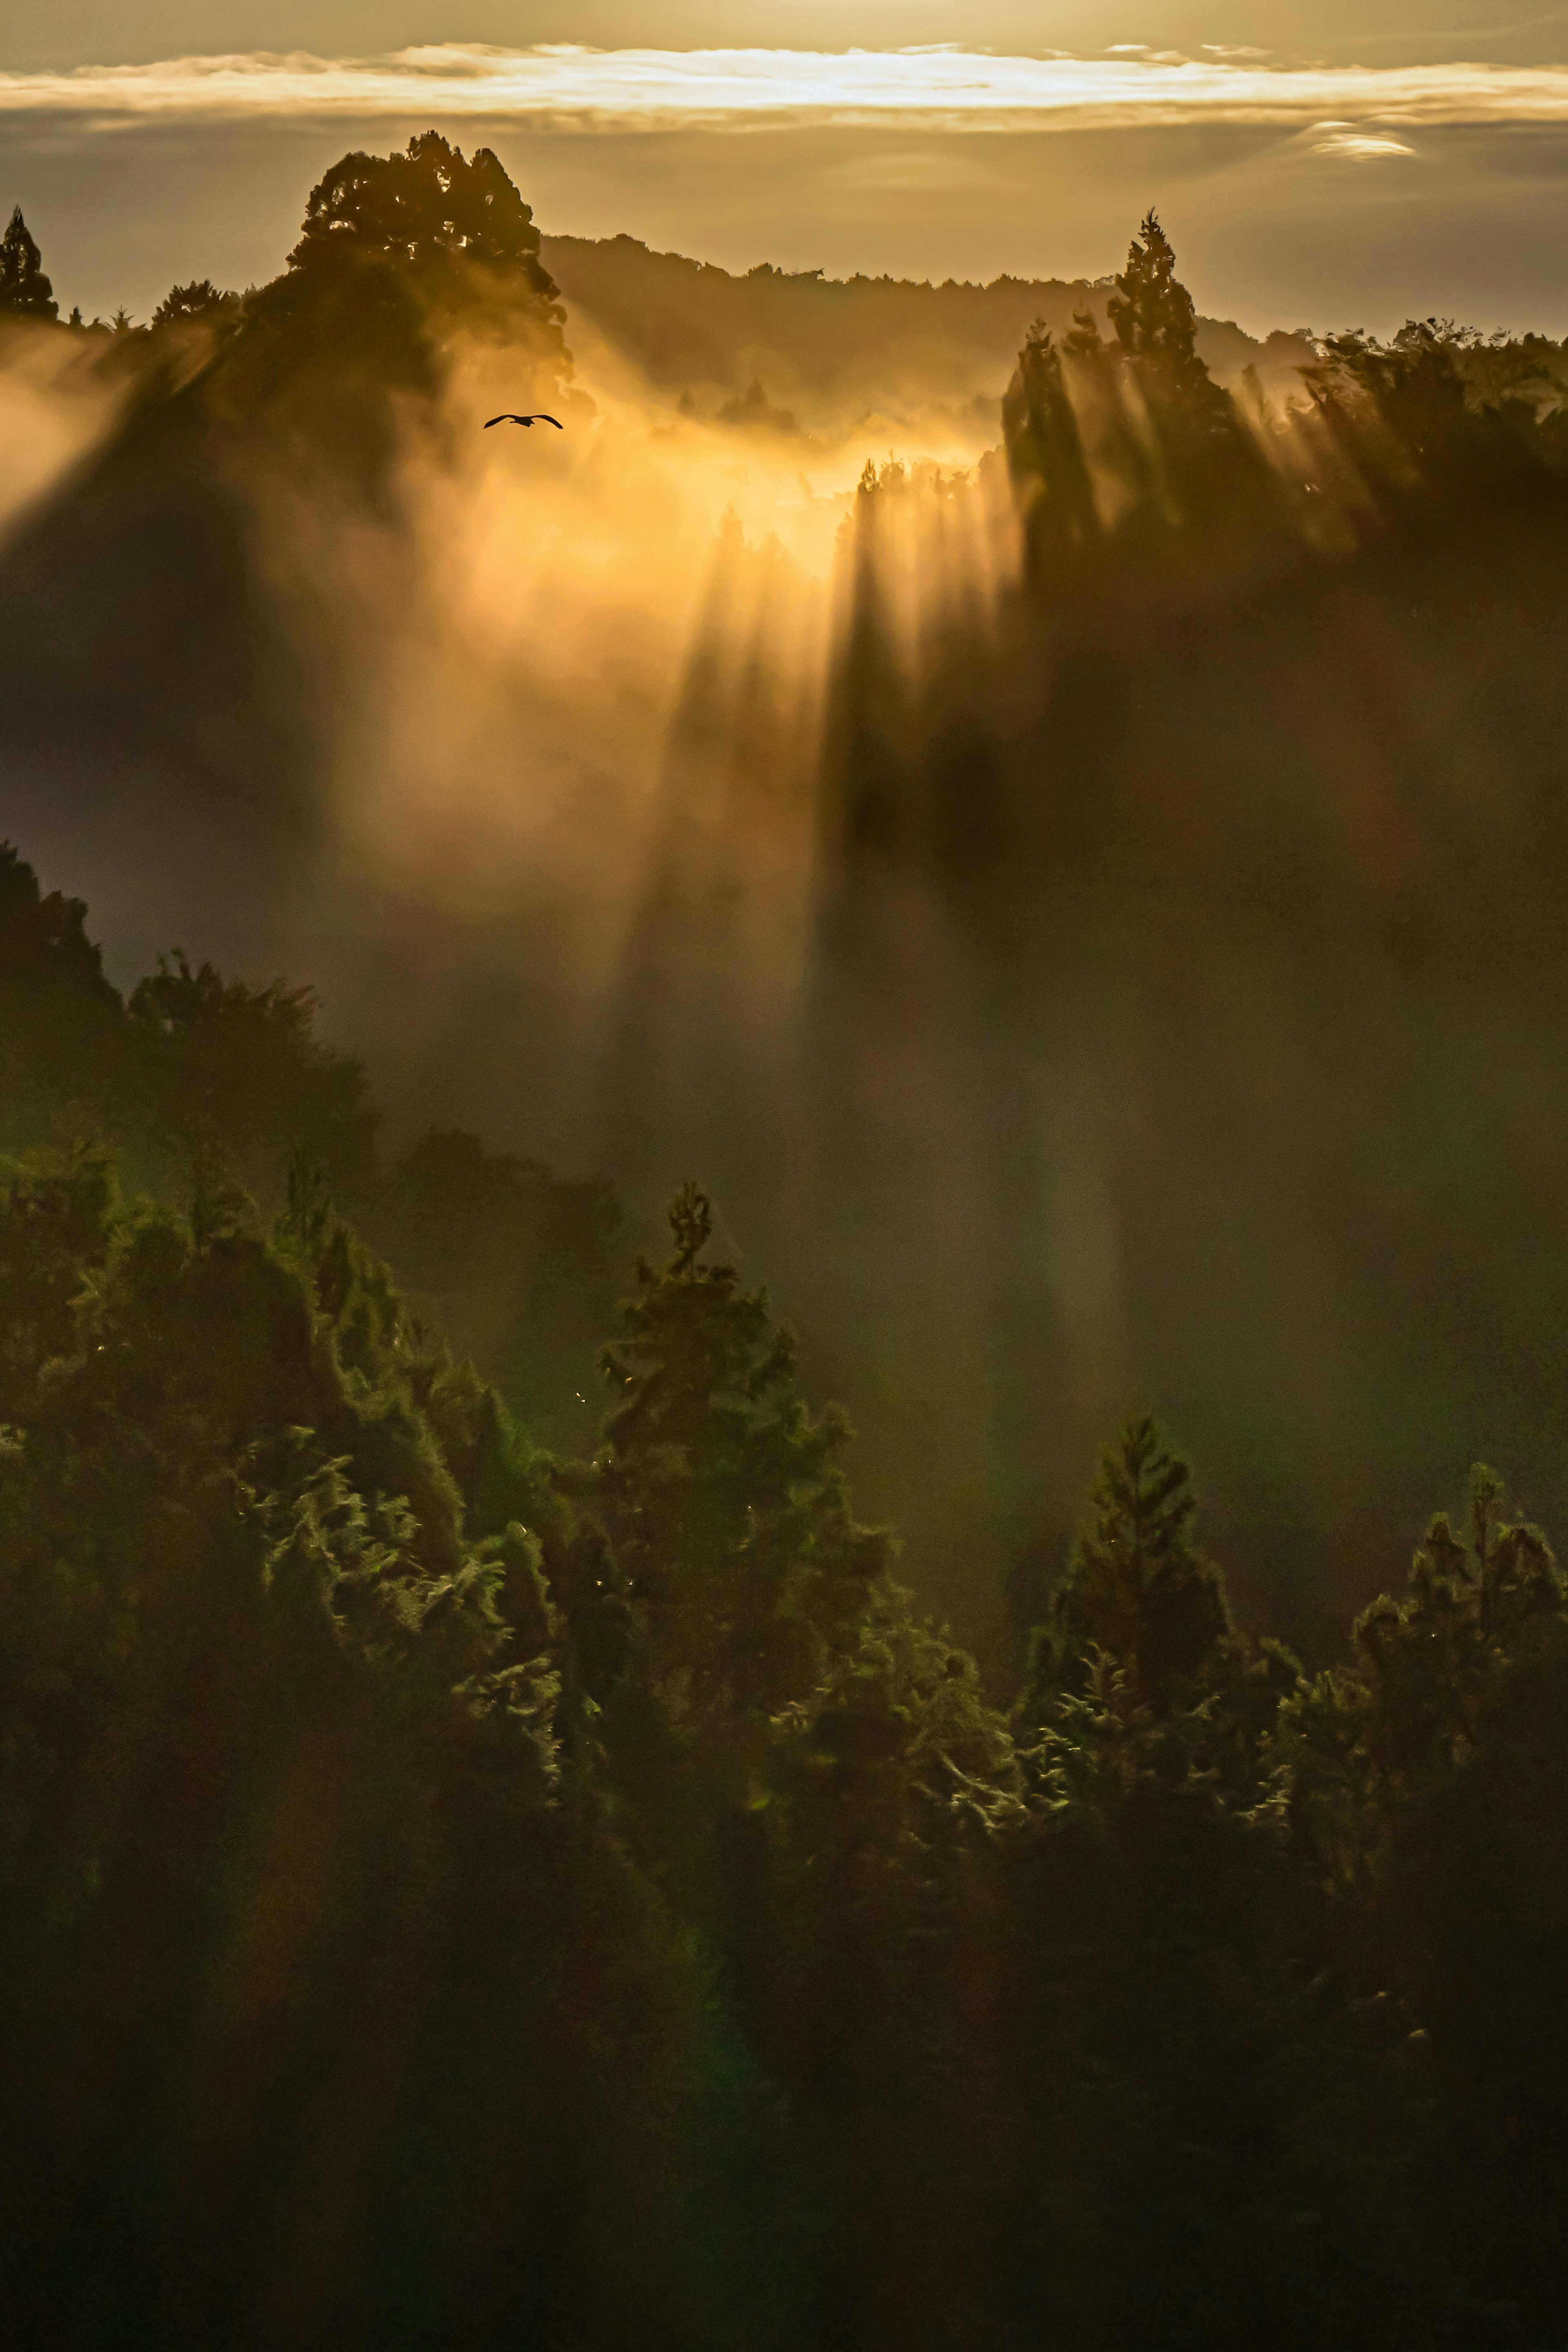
{"type": "Point", "coordinates": [539, 417]}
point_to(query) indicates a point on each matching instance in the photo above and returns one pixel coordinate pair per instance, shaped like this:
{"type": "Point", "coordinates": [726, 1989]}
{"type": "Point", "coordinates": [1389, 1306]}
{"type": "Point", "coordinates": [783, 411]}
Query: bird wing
{"type": "Point", "coordinates": [507, 419]}
{"type": "Point", "coordinates": [542, 419]}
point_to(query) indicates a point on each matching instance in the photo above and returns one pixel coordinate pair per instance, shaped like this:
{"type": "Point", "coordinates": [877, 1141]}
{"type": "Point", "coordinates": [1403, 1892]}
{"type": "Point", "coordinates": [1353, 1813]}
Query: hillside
{"type": "Point", "coordinates": [838, 351]}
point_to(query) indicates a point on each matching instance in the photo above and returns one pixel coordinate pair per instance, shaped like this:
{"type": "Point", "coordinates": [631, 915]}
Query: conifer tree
{"type": "Point", "coordinates": [725, 1497]}
{"type": "Point", "coordinates": [1137, 1589]}
{"type": "Point", "coordinates": [24, 291]}
{"type": "Point", "coordinates": [1202, 461]}
{"type": "Point", "coordinates": [1154, 315]}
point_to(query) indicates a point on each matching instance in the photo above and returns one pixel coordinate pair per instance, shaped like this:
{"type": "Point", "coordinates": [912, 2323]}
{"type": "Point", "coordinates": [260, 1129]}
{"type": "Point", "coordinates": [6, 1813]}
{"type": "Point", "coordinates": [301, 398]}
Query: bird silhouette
{"type": "Point", "coordinates": [539, 417]}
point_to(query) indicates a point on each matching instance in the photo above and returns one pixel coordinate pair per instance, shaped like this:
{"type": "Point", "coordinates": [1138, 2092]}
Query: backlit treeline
{"type": "Point", "coordinates": [1193, 789]}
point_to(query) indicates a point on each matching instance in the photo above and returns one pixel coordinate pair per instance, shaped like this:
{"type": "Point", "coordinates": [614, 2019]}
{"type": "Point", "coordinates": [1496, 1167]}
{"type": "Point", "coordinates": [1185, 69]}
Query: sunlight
{"type": "Point", "coordinates": [948, 87]}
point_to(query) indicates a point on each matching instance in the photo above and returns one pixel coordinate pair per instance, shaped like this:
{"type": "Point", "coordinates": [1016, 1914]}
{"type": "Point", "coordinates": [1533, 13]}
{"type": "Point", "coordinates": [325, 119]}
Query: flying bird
{"type": "Point", "coordinates": [538, 418]}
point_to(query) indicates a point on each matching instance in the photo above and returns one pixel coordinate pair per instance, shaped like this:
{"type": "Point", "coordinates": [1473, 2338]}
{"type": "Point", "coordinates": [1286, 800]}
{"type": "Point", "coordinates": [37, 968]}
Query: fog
{"type": "Point", "coordinates": [544, 820]}
{"type": "Point", "coordinates": [896, 830]}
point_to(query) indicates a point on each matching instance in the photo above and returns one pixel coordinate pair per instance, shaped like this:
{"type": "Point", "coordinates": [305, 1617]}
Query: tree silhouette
{"type": "Point", "coordinates": [201, 299]}
{"type": "Point", "coordinates": [24, 291]}
{"type": "Point", "coordinates": [431, 211]}
{"type": "Point", "coordinates": [397, 252]}
{"type": "Point", "coordinates": [1154, 316]}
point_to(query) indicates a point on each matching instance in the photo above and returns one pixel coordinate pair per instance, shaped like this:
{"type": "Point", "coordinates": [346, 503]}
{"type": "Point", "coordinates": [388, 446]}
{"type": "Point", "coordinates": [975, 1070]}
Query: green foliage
{"type": "Point", "coordinates": [199, 1079]}
{"type": "Point", "coordinates": [242, 1065]}
{"type": "Point", "coordinates": [725, 1497]}
{"type": "Point", "coordinates": [1138, 1597]}
{"type": "Point", "coordinates": [293, 1836]}
{"type": "Point", "coordinates": [1426, 1789]}
{"type": "Point", "coordinates": [1181, 2057]}
{"type": "Point", "coordinates": [603, 1871]}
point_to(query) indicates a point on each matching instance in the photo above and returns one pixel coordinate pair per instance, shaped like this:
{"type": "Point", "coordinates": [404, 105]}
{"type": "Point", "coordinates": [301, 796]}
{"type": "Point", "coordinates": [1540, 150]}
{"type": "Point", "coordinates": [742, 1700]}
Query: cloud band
{"type": "Point", "coordinates": [937, 88]}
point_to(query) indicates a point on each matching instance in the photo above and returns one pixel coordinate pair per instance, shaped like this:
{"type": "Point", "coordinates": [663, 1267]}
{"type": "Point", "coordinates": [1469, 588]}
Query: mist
{"type": "Point", "coordinates": [730, 784]}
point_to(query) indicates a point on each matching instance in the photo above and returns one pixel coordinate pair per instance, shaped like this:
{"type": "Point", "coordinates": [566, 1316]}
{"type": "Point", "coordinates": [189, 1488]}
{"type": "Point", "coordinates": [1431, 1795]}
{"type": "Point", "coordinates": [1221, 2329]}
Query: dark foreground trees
{"type": "Point", "coordinates": [340, 2014]}
{"type": "Point", "coordinates": [453, 1895]}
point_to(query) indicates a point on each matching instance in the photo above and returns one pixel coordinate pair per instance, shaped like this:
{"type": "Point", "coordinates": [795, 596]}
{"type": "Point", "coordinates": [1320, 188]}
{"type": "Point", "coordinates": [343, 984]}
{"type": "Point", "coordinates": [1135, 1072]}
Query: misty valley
{"type": "Point", "coordinates": [658, 1082]}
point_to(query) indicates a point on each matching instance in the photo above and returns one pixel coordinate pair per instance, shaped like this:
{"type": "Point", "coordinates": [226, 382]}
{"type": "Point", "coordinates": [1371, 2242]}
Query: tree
{"type": "Point", "coordinates": [43, 939]}
{"type": "Point", "coordinates": [1428, 1789]}
{"type": "Point", "coordinates": [435, 213]}
{"type": "Point", "coordinates": [65, 1070]}
{"type": "Point", "coordinates": [1174, 2056]}
{"type": "Point", "coordinates": [1154, 315]}
{"type": "Point", "coordinates": [200, 300]}
{"type": "Point", "coordinates": [1137, 1589]}
{"type": "Point", "coordinates": [241, 1071]}
{"type": "Point", "coordinates": [1045, 453]}
{"type": "Point", "coordinates": [725, 1497]}
{"type": "Point", "coordinates": [24, 291]}
{"type": "Point", "coordinates": [397, 253]}
{"type": "Point", "coordinates": [810, 1770]}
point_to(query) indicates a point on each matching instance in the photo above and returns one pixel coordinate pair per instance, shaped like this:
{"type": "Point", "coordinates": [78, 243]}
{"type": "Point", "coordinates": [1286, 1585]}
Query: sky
{"type": "Point", "coordinates": [1325, 165]}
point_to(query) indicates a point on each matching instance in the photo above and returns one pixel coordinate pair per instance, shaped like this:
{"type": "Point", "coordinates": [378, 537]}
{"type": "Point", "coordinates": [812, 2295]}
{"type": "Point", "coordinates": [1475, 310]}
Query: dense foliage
{"type": "Point", "coordinates": [453, 1890]}
{"type": "Point", "coordinates": [192, 1072]}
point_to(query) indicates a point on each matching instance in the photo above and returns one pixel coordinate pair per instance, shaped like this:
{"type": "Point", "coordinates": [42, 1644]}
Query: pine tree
{"type": "Point", "coordinates": [1153, 313]}
{"type": "Point", "coordinates": [724, 1496]}
{"type": "Point", "coordinates": [24, 291]}
{"type": "Point", "coordinates": [1137, 1589]}
{"type": "Point", "coordinates": [1207, 461]}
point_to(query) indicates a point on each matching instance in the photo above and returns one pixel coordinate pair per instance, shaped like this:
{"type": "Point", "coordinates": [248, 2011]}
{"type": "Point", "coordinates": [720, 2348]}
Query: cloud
{"type": "Point", "coordinates": [946, 87]}
{"type": "Point", "coordinates": [1358, 146]}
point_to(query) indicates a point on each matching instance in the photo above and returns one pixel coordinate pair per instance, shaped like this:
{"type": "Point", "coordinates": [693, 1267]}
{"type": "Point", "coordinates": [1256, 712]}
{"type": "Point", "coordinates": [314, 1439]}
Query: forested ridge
{"type": "Point", "coordinates": [875, 348]}
{"type": "Point", "coordinates": [494, 1846]}
{"type": "Point", "coordinates": [456, 1889]}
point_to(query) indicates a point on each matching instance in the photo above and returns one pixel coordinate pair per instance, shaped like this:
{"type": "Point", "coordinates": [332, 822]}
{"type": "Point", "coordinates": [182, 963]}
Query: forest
{"type": "Point", "coordinates": [499, 1844]}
